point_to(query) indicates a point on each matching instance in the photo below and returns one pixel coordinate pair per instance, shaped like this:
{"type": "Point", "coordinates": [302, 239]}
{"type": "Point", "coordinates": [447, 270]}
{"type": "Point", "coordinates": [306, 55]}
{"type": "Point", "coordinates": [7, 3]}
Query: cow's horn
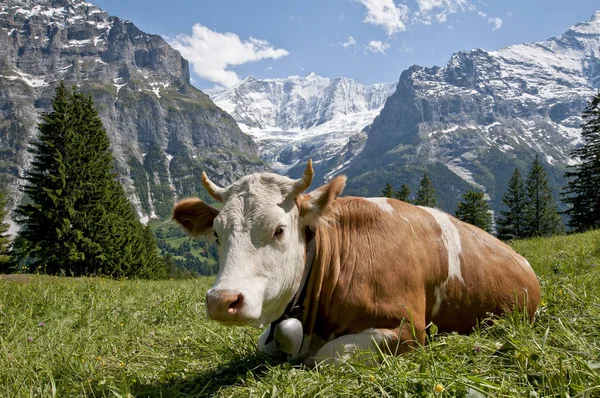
{"type": "Point", "coordinates": [214, 191]}
{"type": "Point", "coordinates": [304, 182]}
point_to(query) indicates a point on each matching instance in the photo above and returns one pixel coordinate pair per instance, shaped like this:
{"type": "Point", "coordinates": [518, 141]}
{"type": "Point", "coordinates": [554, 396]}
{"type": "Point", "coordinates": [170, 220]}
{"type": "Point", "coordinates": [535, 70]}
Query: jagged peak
{"type": "Point", "coordinates": [250, 78]}
{"type": "Point", "coordinates": [308, 79]}
{"type": "Point", "coordinates": [591, 27]}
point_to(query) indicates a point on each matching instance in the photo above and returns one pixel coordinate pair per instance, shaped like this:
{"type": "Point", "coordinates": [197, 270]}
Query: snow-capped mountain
{"type": "Point", "coordinates": [297, 118]}
{"type": "Point", "coordinates": [472, 122]}
{"type": "Point", "coordinates": [163, 130]}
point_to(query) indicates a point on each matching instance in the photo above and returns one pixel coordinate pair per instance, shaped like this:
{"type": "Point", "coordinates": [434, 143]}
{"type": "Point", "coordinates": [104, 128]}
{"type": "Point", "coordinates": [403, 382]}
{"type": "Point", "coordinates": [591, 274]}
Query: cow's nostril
{"type": "Point", "coordinates": [235, 305]}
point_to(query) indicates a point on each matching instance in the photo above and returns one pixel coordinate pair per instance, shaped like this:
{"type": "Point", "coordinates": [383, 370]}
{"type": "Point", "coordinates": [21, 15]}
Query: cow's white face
{"type": "Point", "coordinates": [260, 236]}
{"type": "Point", "coordinates": [261, 255]}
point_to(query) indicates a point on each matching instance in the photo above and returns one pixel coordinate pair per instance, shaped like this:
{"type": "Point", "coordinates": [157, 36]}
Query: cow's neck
{"type": "Point", "coordinates": [295, 307]}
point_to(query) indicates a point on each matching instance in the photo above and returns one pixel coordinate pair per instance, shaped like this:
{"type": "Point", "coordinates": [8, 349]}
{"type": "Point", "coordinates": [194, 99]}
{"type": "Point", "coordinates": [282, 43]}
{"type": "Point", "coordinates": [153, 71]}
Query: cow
{"type": "Point", "coordinates": [332, 276]}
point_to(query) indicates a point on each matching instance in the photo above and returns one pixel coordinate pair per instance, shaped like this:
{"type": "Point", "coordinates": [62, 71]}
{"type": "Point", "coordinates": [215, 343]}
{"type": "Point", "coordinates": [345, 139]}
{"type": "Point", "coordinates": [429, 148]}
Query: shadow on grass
{"type": "Point", "coordinates": [209, 383]}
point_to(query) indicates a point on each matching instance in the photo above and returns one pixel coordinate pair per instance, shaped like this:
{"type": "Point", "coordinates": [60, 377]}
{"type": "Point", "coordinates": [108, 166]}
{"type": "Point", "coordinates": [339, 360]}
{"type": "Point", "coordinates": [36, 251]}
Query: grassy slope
{"type": "Point", "coordinates": [113, 338]}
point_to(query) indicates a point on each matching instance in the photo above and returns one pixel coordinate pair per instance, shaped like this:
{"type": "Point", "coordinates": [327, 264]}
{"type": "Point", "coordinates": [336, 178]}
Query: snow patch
{"type": "Point", "coordinates": [119, 87]}
{"type": "Point", "coordinates": [453, 166]}
{"type": "Point", "coordinates": [77, 43]}
{"type": "Point", "coordinates": [451, 129]}
{"type": "Point", "coordinates": [31, 81]}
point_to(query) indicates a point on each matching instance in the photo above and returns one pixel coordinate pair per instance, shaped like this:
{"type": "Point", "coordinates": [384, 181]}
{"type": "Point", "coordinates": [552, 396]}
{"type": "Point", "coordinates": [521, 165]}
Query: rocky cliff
{"type": "Point", "coordinates": [163, 130]}
{"type": "Point", "coordinates": [469, 124]}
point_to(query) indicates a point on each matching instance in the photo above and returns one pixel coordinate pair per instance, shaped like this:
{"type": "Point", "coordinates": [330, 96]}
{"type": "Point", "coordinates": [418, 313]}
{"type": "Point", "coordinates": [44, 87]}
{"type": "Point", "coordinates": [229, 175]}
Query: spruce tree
{"type": "Point", "coordinates": [79, 221]}
{"type": "Point", "coordinates": [426, 193]}
{"type": "Point", "coordinates": [388, 191]}
{"type": "Point", "coordinates": [512, 223]}
{"type": "Point", "coordinates": [403, 193]}
{"type": "Point", "coordinates": [542, 218]}
{"type": "Point", "coordinates": [4, 238]}
{"type": "Point", "coordinates": [475, 210]}
{"type": "Point", "coordinates": [583, 190]}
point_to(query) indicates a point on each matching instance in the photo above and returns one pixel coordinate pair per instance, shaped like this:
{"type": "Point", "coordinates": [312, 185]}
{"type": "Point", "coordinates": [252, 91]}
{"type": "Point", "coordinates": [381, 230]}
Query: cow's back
{"type": "Point", "coordinates": [385, 261]}
{"type": "Point", "coordinates": [493, 279]}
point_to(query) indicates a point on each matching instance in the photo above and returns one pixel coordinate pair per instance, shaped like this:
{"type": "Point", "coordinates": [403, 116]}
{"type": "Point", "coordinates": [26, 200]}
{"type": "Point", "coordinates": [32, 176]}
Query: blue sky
{"type": "Point", "coordinates": [371, 41]}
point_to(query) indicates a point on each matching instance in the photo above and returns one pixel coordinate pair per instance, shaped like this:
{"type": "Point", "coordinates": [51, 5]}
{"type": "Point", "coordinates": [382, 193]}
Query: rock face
{"type": "Point", "coordinates": [298, 118]}
{"type": "Point", "coordinates": [163, 130]}
{"type": "Point", "coordinates": [471, 123]}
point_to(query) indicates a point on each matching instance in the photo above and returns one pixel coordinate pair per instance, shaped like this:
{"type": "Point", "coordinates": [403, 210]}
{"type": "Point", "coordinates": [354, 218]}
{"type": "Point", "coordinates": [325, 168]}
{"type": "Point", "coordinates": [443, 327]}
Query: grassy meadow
{"type": "Point", "coordinates": [68, 337]}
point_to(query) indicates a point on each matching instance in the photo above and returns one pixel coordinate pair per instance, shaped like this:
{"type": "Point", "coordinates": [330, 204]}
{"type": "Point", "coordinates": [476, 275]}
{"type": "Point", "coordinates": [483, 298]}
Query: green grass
{"type": "Point", "coordinates": [125, 338]}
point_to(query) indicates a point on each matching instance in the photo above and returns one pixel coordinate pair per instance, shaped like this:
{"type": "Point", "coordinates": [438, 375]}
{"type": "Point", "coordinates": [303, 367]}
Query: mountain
{"type": "Point", "coordinates": [469, 124]}
{"type": "Point", "coordinates": [163, 131]}
{"type": "Point", "coordinates": [297, 118]}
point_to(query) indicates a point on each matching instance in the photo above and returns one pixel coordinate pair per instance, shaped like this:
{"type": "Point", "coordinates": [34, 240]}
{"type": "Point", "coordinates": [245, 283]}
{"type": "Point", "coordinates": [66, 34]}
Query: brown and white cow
{"type": "Point", "coordinates": [382, 269]}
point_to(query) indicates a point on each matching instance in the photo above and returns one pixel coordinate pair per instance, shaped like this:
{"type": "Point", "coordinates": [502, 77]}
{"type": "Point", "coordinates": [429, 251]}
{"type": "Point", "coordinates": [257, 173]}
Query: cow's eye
{"type": "Point", "coordinates": [216, 237]}
{"type": "Point", "coordinates": [279, 231]}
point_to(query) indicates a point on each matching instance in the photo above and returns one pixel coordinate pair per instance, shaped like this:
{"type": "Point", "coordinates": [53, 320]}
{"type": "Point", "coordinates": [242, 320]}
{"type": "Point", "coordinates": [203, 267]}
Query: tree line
{"type": "Point", "coordinates": [530, 207]}
{"type": "Point", "coordinates": [76, 219]}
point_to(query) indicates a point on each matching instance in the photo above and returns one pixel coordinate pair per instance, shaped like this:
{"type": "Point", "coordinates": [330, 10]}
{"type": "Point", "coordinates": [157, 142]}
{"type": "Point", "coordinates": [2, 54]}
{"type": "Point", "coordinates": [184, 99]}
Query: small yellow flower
{"type": "Point", "coordinates": [438, 388]}
{"type": "Point", "coordinates": [121, 324]}
{"type": "Point", "coordinates": [99, 359]}
{"type": "Point", "coordinates": [543, 302]}
{"type": "Point", "coordinates": [372, 378]}
{"type": "Point", "coordinates": [121, 364]}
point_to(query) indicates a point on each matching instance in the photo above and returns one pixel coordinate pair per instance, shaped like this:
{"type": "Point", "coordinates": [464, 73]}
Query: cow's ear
{"type": "Point", "coordinates": [319, 206]}
{"type": "Point", "coordinates": [195, 216]}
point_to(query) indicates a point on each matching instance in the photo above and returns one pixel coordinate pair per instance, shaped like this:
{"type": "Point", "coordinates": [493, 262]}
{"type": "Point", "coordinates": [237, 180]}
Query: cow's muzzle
{"type": "Point", "coordinates": [224, 305]}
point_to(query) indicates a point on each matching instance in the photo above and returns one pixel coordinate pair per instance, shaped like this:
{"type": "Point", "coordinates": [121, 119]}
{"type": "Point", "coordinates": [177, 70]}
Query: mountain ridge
{"type": "Point", "coordinates": [163, 131]}
{"type": "Point", "coordinates": [300, 117]}
{"type": "Point", "coordinates": [483, 113]}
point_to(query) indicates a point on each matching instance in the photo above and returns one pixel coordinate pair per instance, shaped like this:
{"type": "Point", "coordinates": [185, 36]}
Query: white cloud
{"type": "Point", "coordinates": [450, 6]}
{"type": "Point", "coordinates": [441, 17]}
{"type": "Point", "coordinates": [376, 46]}
{"type": "Point", "coordinates": [212, 54]}
{"type": "Point", "coordinates": [387, 14]}
{"type": "Point", "coordinates": [482, 14]}
{"type": "Point", "coordinates": [497, 22]}
{"type": "Point", "coordinates": [349, 42]}
{"type": "Point", "coordinates": [441, 9]}
{"type": "Point", "coordinates": [269, 67]}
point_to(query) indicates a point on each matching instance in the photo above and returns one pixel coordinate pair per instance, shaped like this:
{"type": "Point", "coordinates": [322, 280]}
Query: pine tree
{"type": "Point", "coordinates": [5, 256]}
{"type": "Point", "coordinates": [388, 191]}
{"type": "Point", "coordinates": [475, 210]}
{"type": "Point", "coordinates": [583, 190]}
{"type": "Point", "coordinates": [512, 223]}
{"type": "Point", "coordinates": [542, 218]}
{"type": "Point", "coordinates": [403, 193]}
{"type": "Point", "coordinates": [426, 193]}
{"type": "Point", "coordinates": [79, 221]}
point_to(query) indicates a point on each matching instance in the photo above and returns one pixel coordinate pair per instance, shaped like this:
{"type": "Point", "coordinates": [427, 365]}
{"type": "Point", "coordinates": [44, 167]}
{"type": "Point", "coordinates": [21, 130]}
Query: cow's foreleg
{"type": "Point", "coordinates": [264, 347]}
{"type": "Point", "coordinates": [368, 346]}
{"type": "Point", "coordinates": [365, 347]}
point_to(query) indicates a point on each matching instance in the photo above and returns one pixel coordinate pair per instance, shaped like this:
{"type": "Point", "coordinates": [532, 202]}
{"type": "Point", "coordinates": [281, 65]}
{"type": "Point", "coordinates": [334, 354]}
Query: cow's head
{"type": "Point", "coordinates": [260, 236]}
